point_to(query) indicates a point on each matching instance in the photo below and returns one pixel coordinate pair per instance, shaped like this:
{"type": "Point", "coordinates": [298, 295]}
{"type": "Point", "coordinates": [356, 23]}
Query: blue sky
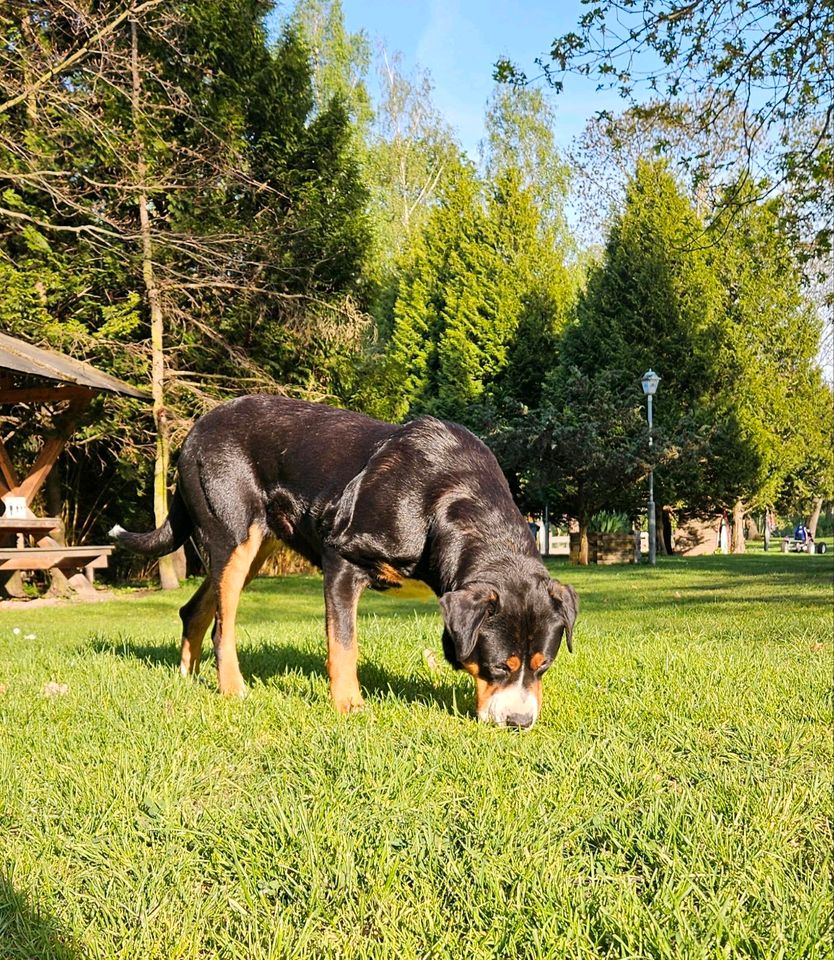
{"type": "Point", "coordinates": [458, 42]}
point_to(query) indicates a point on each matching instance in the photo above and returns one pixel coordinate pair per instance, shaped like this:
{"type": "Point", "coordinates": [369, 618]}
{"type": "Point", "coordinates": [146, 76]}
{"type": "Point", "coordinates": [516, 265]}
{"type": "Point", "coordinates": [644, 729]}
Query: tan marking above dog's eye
{"type": "Point", "coordinates": [536, 661]}
{"type": "Point", "coordinates": [513, 663]}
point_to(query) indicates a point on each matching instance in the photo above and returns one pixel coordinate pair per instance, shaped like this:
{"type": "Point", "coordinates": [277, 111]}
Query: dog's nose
{"type": "Point", "coordinates": [522, 720]}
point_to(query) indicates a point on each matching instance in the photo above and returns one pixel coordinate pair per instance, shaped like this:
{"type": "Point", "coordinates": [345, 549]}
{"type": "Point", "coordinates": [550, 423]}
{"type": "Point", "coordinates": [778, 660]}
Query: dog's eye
{"type": "Point", "coordinates": [499, 669]}
{"type": "Point", "coordinates": [541, 667]}
{"type": "Point", "coordinates": [492, 606]}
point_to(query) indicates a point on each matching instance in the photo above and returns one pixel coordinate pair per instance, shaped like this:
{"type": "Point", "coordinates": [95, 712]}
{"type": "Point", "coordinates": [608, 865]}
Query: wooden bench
{"type": "Point", "coordinates": [48, 553]}
{"type": "Point", "coordinates": [87, 559]}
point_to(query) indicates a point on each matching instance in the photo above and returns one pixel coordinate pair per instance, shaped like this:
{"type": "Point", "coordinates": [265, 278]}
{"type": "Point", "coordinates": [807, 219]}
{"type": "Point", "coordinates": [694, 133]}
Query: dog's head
{"type": "Point", "coordinates": [506, 636]}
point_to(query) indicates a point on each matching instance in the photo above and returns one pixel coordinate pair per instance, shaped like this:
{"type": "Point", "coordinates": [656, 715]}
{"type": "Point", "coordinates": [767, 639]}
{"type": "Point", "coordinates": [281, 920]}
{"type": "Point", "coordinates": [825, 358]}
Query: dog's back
{"type": "Point", "coordinates": [275, 462]}
{"type": "Point", "coordinates": [284, 442]}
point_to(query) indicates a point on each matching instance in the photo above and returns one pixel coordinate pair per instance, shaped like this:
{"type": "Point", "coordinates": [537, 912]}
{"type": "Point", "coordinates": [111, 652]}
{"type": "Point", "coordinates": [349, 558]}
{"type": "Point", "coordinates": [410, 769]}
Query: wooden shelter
{"type": "Point", "coordinates": [32, 375]}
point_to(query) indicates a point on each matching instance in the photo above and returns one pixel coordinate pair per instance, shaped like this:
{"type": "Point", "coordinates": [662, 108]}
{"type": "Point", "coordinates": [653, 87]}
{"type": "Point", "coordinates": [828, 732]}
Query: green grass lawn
{"type": "Point", "coordinates": [673, 800]}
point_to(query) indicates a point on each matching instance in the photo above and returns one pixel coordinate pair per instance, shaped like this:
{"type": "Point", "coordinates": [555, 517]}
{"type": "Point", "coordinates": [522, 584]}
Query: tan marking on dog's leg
{"type": "Point", "coordinates": [342, 660]}
{"type": "Point", "coordinates": [200, 612]}
{"type": "Point", "coordinates": [232, 581]}
{"type": "Point", "coordinates": [265, 551]}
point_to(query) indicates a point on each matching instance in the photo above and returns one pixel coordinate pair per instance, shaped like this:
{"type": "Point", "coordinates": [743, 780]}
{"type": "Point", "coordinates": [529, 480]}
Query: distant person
{"type": "Point", "coordinates": [534, 527]}
{"type": "Point", "coordinates": [803, 537]}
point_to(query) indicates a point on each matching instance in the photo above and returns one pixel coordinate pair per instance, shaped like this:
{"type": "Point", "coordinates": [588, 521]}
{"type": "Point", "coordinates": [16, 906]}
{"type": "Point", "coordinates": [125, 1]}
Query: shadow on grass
{"type": "Point", "coordinates": [274, 660]}
{"type": "Point", "coordinates": [26, 932]}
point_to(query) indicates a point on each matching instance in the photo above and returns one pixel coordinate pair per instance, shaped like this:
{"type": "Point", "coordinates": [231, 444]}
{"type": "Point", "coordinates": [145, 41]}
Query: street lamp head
{"type": "Point", "coordinates": [650, 381]}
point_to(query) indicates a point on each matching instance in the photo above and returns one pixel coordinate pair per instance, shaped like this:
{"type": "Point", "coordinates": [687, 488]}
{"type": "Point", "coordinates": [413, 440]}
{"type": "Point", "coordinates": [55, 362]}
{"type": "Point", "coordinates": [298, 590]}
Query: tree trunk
{"type": "Point", "coordinates": [738, 527]}
{"type": "Point", "coordinates": [813, 520]}
{"type": "Point", "coordinates": [659, 532]}
{"type": "Point", "coordinates": [167, 574]}
{"type": "Point", "coordinates": [584, 551]}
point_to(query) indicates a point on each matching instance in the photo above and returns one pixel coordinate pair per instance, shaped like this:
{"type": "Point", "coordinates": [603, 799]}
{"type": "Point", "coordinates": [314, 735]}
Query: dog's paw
{"type": "Point", "coordinates": [234, 688]}
{"type": "Point", "coordinates": [352, 703]}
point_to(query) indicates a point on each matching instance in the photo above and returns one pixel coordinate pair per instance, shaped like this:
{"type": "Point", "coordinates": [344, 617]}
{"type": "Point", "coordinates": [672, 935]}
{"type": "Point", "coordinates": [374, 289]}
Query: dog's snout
{"type": "Point", "coordinates": [512, 706]}
{"type": "Point", "coordinates": [520, 720]}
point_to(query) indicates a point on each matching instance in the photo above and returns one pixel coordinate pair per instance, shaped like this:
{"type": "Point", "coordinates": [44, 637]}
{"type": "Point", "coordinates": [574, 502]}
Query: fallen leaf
{"type": "Point", "coordinates": [431, 660]}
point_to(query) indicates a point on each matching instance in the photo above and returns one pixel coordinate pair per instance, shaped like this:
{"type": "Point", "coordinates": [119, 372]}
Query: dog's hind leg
{"type": "Point", "coordinates": [230, 577]}
{"type": "Point", "coordinates": [196, 616]}
{"type": "Point", "coordinates": [343, 585]}
{"type": "Point", "coordinates": [265, 551]}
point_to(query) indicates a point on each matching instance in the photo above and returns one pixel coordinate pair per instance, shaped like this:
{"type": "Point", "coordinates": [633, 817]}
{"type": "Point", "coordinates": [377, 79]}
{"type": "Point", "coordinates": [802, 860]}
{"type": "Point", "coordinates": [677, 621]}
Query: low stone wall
{"type": "Point", "coordinates": [605, 548]}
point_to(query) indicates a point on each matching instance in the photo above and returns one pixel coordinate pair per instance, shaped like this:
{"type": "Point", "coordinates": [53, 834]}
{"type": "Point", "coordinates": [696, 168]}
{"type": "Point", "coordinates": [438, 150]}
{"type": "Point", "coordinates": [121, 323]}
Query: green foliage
{"type": "Point", "coordinates": [582, 449]}
{"type": "Point", "coordinates": [653, 301]}
{"type": "Point", "coordinates": [480, 300]}
{"type": "Point", "coordinates": [769, 386]}
{"type": "Point", "coordinates": [740, 415]}
{"type": "Point", "coordinates": [605, 521]}
{"type": "Point", "coordinates": [339, 60]}
{"type": "Point", "coordinates": [411, 153]}
{"type": "Point", "coordinates": [767, 61]}
{"type": "Point", "coordinates": [520, 140]}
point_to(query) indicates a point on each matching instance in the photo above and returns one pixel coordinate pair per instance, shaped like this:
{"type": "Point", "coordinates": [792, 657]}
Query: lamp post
{"type": "Point", "coordinates": [650, 381]}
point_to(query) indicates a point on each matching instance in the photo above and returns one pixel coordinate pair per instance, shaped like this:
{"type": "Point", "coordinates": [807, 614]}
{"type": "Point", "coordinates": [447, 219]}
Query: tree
{"type": "Point", "coordinates": [654, 301]}
{"type": "Point", "coordinates": [162, 168]}
{"type": "Point", "coordinates": [768, 386]}
{"type": "Point", "coordinates": [769, 60]}
{"type": "Point", "coordinates": [604, 156]}
{"type": "Point", "coordinates": [339, 60]}
{"type": "Point", "coordinates": [486, 288]}
{"type": "Point", "coordinates": [520, 126]}
{"type": "Point", "coordinates": [726, 326]}
{"type": "Point", "coordinates": [581, 450]}
{"type": "Point", "coordinates": [809, 481]}
{"type": "Point", "coordinates": [411, 152]}
{"type": "Point", "coordinates": [482, 288]}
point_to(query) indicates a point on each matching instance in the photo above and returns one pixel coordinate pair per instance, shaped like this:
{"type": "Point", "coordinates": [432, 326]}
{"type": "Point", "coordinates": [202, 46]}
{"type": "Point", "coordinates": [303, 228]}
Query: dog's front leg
{"type": "Point", "coordinates": [343, 585]}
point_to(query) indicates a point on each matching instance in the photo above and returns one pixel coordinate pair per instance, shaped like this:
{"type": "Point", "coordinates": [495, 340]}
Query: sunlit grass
{"type": "Point", "coordinates": [673, 800]}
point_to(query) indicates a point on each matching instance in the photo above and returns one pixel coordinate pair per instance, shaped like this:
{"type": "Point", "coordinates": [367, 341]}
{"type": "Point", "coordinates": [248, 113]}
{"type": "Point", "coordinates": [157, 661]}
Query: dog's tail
{"type": "Point", "coordinates": [177, 528]}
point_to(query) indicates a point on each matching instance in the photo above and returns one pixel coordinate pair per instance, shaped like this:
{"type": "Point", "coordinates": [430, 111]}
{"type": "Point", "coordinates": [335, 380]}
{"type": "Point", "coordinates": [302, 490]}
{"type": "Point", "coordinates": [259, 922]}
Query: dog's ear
{"type": "Point", "coordinates": [464, 611]}
{"type": "Point", "coordinates": [567, 606]}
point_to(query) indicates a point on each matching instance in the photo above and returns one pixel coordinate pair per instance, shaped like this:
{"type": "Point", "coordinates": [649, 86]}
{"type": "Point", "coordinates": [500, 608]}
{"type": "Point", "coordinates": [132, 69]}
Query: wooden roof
{"type": "Point", "coordinates": [22, 357]}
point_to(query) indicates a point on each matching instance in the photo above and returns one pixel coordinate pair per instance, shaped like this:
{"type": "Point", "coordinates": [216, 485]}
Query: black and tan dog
{"type": "Point", "coordinates": [370, 503]}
